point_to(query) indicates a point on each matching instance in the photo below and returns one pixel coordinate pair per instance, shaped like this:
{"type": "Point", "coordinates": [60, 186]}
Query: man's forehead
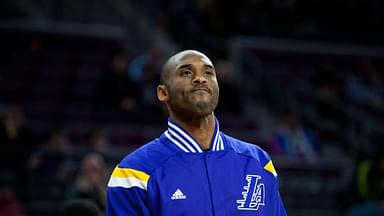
{"type": "Point", "coordinates": [189, 56]}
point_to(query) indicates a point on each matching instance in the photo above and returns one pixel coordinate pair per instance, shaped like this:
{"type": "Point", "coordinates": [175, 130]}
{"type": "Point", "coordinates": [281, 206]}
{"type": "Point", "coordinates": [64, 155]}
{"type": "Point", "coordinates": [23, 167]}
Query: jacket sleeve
{"type": "Point", "coordinates": [279, 205]}
{"type": "Point", "coordinates": [127, 193]}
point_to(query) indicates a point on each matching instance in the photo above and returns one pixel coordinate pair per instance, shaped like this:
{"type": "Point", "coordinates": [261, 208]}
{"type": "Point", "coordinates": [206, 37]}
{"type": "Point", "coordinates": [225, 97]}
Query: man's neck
{"type": "Point", "coordinates": [201, 128]}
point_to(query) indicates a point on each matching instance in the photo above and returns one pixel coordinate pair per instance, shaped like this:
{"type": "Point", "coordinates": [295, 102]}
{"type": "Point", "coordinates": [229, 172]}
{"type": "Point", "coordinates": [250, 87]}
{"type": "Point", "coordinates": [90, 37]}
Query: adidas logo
{"type": "Point", "coordinates": [178, 195]}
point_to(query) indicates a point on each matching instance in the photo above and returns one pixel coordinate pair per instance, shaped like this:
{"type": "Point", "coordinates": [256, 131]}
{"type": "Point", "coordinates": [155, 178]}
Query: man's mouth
{"type": "Point", "coordinates": [201, 89]}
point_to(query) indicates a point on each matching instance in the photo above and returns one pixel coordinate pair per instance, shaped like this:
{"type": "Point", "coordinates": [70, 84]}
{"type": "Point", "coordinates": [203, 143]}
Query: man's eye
{"type": "Point", "coordinates": [209, 72]}
{"type": "Point", "coordinates": [186, 73]}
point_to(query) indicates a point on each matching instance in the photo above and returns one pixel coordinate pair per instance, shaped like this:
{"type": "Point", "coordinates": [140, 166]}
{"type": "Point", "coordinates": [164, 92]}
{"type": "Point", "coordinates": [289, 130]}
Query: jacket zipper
{"type": "Point", "coordinates": [209, 183]}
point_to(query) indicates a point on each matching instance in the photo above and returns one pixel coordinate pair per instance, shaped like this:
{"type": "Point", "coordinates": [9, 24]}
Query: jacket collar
{"type": "Point", "coordinates": [183, 140]}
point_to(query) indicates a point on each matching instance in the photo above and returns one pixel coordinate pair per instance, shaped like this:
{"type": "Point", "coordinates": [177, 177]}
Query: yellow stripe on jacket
{"type": "Point", "coordinates": [128, 178]}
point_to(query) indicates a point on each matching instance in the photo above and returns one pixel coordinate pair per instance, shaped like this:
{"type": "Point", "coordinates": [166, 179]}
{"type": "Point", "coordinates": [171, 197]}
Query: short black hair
{"type": "Point", "coordinates": [79, 207]}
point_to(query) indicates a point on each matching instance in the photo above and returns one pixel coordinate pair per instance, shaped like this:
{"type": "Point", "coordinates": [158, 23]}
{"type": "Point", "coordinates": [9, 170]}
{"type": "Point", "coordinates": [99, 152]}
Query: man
{"type": "Point", "coordinates": [193, 168]}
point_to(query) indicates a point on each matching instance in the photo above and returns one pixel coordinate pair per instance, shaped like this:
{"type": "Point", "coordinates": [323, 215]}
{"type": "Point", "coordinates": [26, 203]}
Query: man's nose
{"type": "Point", "coordinates": [198, 79]}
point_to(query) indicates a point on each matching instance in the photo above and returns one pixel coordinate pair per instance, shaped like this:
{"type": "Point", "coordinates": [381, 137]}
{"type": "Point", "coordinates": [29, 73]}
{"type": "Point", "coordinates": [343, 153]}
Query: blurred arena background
{"type": "Point", "coordinates": [301, 78]}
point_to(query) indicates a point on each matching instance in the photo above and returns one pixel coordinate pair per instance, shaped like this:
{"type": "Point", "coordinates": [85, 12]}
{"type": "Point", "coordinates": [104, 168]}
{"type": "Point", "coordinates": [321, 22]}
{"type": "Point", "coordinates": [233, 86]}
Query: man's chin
{"type": "Point", "coordinates": [202, 97]}
{"type": "Point", "coordinates": [202, 108]}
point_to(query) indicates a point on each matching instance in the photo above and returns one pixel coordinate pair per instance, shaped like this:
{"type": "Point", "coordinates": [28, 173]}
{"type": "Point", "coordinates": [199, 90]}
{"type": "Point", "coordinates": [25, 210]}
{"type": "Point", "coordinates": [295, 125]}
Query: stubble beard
{"type": "Point", "coordinates": [201, 108]}
{"type": "Point", "coordinates": [192, 107]}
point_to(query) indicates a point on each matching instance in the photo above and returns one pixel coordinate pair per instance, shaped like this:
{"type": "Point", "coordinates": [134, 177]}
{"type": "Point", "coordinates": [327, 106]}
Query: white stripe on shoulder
{"type": "Point", "coordinates": [185, 135]}
{"type": "Point", "coordinates": [172, 133]}
{"type": "Point", "coordinates": [215, 142]}
{"type": "Point", "coordinates": [175, 141]}
{"type": "Point", "coordinates": [127, 182]}
{"type": "Point", "coordinates": [221, 142]}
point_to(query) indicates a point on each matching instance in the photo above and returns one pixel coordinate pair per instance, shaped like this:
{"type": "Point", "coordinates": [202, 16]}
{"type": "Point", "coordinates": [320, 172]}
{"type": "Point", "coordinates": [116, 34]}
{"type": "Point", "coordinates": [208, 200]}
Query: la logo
{"type": "Point", "coordinates": [253, 194]}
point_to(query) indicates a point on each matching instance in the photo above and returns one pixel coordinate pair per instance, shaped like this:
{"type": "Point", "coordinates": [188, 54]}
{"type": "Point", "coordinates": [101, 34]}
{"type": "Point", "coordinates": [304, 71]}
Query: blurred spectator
{"type": "Point", "coordinates": [230, 102]}
{"type": "Point", "coordinates": [90, 181]}
{"type": "Point", "coordinates": [365, 86]}
{"type": "Point", "coordinates": [144, 70]}
{"type": "Point", "coordinates": [98, 142]}
{"type": "Point", "coordinates": [16, 135]}
{"type": "Point", "coordinates": [328, 83]}
{"type": "Point", "coordinates": [17, 142]}
{"type": "Point", "coordinates": [79, 207]}
{"type": "Point", "coordinates": [293, 140]}
{"type": "Point", "coordinates": [49, 168]}
{"type": "Point", "coordinates": [118, 90]}
{"type": "Point", "coordinates": [326, 78]}
{"type": "Point", "coordinates": [370, 178]}
{"type": "Point", "coordinates": [370, 186]}
{"type": "Point", "coordinates": [50, 158]}
{"type": "Point", "coordinates": [142, 63]}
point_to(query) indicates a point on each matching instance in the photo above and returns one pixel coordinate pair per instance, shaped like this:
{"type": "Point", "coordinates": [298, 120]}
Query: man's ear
{"type": "Point", "coordinates": [162, 93]}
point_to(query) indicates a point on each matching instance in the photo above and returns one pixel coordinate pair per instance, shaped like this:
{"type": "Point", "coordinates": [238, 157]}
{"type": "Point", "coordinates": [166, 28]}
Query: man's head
{"type": "Point", "coordinates": [189, 86]}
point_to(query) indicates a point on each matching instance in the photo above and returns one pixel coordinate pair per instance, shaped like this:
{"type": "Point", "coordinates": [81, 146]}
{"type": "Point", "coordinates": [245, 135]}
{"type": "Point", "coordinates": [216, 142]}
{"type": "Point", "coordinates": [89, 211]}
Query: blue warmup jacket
{"type": "Point", "coordinates": [172, 175]}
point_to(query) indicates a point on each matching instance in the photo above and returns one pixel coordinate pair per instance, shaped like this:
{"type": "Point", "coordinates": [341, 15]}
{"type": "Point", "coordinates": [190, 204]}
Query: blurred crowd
{"type": "Point", "coordinates": [49, 168]}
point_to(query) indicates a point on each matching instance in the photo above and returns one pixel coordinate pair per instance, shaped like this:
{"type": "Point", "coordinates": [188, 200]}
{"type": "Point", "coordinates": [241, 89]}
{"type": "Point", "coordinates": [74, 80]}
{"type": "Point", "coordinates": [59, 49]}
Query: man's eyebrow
{"type": "Point", "coordinates": [184, 66]}
{"type": "Point", "coordinates": [209, 66]}
{"type": "Point", "coordinates": [189, 65]}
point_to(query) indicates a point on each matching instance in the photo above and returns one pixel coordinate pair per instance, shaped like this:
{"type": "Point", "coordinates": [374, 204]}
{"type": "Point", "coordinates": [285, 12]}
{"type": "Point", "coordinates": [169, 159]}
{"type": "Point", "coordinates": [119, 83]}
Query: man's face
{"type": "Point", "coordinates": [191, 85]}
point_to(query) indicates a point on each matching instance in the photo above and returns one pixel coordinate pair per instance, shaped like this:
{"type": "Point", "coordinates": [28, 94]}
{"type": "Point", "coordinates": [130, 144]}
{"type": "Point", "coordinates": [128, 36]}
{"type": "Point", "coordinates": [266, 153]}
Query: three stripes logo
{"type": "Point", "coordinates": [178, 195]}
